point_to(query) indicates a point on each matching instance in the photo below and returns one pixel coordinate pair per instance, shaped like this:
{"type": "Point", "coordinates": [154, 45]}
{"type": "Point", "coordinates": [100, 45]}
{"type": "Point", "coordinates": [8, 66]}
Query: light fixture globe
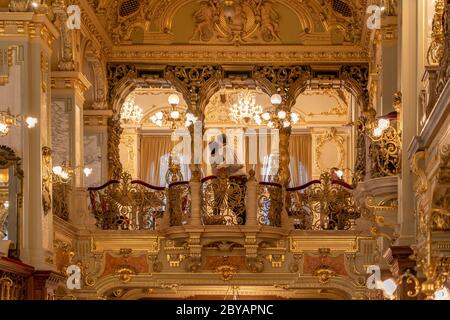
{"type": "Point", "coordinates": [282, 114]}
{"type": "Point", "coordinates": [383, 124]}
{"type": "Point", "coordinates": [175, 115]}
{"type": "Point", "coordinates": [389, 286]}
{"type": "Point", "coordinates": [174, 99]}
{"type": "Point", "coordinates": [276, 99]}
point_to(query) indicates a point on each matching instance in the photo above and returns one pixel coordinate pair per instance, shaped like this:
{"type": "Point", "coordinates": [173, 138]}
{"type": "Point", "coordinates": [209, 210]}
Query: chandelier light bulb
{"type": "Point", "coordinates": [57, 170]}
{"type": "Point", "coordinates": [64, 175]}
{"type": "Point", "coordinates": [34, 4]}
{"type": "Point", "coordinates": [265, 116]}
{"type": "Point", "coordinates": [159, 115]}
{"type": "Point", "coordinates": [159, 123]}
{"type": "Point", "coordinates": [270, 124]}
{"type": "Point", "coordinates": [175, 115]}
{"type": "Point", "coordinates": [4, 129]}
{"type": "Point", "coordinates": [276, 99]}
{"type": "Point", "coordinates": [286, 124]}
{"type": "Point", "coordinates": [383, 124]}
{"type": "Point", "coordinates": [174, 99]}
{"type": "Point", "coordinates": [6, 204]}
{"type": "Point", "coordinates": [295, 117]}
{"type": "Point", "coordinates": [339, 174]}
{"type": "Point", "coordinates": [282, 114]}
{"type": "Point", "coordinates": [87, 172]}
{"type": "Point", "coordinates": [377, 132]}
{"type": "Point", "coordinates": [31, 122]}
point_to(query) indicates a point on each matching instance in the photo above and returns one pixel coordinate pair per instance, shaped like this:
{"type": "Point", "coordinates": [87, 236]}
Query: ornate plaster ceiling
{"type": "Point", "coordinates": [325, 25]}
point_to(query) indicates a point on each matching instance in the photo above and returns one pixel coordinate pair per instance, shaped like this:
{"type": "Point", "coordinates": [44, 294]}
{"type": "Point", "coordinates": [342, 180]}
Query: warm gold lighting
{"type": "Point", "coordinates": [64, 173]}
{"type": "Point", "coordinates": [7, 120]}
{"type": "Point", "coordinates": [280, 118]}
{"type": "Point", "coordinates": [174, 119]}
{"type": "Point", "coordinates": [245, 108]}
{"type": "Point", "coordinates": [130, 111]}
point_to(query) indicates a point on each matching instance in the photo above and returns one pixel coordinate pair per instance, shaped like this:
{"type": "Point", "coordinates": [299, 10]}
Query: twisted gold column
{"type": "Point", "coordinates": [284, 176]}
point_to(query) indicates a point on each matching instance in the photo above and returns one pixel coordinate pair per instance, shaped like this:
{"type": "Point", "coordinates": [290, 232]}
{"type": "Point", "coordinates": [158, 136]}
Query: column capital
{"type": "Point", "coordinates": [19, 26]}
{"type": "Point", "coordinates": [70, 80]}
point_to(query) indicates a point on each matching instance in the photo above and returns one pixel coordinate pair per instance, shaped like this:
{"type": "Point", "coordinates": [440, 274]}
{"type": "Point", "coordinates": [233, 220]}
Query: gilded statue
{"type": "Point", "coordinates": [237, 21]}
{"type": "Point", "coordinates": [269, 21]}
{"type": "Point", "coordinates": [204, 18]}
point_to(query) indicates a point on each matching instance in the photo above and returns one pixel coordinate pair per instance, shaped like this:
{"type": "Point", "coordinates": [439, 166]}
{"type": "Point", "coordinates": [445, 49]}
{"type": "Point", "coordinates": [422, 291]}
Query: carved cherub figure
{"type": "Point", "coordinates": [204, 19]}
{"type": "Point", "coordinates": [269, 21]}
{"type": "Point", "coordinates": [236, 22]}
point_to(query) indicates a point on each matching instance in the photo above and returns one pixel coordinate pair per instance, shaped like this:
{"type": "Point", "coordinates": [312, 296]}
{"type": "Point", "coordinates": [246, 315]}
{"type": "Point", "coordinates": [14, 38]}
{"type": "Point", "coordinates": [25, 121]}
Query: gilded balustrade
{"type": "Point", "coordinates": [384, 152]}
{"type": "Point", "coordinates": [223, 200]}
{"type": "Point", "coordinates": [270, 204]}
{"type": "Point", "coordinates": [127, 205]}
{"type": "Point", "coordinates": [12, 286]}
{"type": "Point", "coordinates": [179, 203]}
{"type": "Point", "coordinates": [323, 204]}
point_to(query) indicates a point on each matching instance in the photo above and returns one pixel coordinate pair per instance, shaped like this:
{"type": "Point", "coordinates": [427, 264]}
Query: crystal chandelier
{"type": "Point", "coordinates": [131, 112]}
{"type": "Point", "coordinates": [245, 108]}
{"type": "Point", "coordinates": [173, 118]}
{"type": "Point", "coordinates": [7, 120]}
{"type": "Point", "coordinates": [278, 119]}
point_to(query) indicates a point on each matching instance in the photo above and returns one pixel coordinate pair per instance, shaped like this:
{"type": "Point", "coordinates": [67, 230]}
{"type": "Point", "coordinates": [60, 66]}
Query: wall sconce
{"type": "Point", "coordinates": [7, 120]}
{"type": "Point", "coordinates": [64, 173]}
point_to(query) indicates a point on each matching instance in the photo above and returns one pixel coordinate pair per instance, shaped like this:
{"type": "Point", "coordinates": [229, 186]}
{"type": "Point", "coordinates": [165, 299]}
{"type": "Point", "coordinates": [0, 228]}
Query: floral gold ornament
{"type": "Point", "coordinates": [7, 121]}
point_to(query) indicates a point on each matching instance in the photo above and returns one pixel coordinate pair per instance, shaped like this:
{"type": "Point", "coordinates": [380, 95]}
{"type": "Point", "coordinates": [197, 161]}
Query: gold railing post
{"type": "Point", "coordinates": [252, 200]}
{"type": "Point", "coordinates": [196, 202]}
{"type": "Point", "coordinates": [165, 223]}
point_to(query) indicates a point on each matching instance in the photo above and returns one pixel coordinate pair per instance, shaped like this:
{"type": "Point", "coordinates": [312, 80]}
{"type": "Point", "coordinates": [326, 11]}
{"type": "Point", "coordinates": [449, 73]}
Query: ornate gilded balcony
{"type": "Point", "coordinates": [127, 205]}
{"type": "Point", "coordinates": [323, 204]}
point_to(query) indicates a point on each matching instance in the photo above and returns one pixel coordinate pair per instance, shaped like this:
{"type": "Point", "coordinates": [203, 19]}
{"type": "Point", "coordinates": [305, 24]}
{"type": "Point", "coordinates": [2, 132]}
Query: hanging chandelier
{"type": "Point", "coordinates": [131, 112]}
{"type": "Point", "coordinates": [173, 118]}
{"type": "Point", "coordinates": [279, 118]}
{"type": "Point", "coordinates": [245, 107]}
{"type": "Point", "coordinates": [7, 120]}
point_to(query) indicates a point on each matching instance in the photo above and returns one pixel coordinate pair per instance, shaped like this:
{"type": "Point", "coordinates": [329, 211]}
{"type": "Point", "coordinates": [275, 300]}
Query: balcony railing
{"type": "Point", "coordinates": [270, 204]}
{"type": "Point", "coordinates": [323, 204]}
{"type": "Point", "coordinates": [179, 203]}
{"type": "Point", "coordinates": [223, 200]}
{"type": "Point", "coordinates": [127, 205]}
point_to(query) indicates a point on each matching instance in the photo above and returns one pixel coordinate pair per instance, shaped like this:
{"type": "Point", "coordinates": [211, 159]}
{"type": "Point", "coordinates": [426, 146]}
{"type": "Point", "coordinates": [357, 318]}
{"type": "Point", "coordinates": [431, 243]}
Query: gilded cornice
{"type": "Point", "coordinates": [241, 54]}
{"type": "Point", "coordinates": [29, 25]}
{"type": "Point", "coordinates": [70, 80]}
